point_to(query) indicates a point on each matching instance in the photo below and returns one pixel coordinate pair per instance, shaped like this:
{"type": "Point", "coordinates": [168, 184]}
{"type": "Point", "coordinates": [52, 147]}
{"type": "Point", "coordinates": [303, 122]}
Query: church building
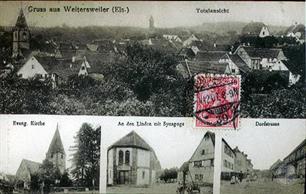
{"type": "Point", "coordinates": [132, 161]}
{"type": "Point", "coordinates": [55, 154]}
{"type": "Point", "coordinates": [21, 36]}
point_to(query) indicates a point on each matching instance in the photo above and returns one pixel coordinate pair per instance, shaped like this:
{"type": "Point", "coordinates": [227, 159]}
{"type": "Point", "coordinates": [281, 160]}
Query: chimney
{"type": "Point", "coordinates": [215, 45]}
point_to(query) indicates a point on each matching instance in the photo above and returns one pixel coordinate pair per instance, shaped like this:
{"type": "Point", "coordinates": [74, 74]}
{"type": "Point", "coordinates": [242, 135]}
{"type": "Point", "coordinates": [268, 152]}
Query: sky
{"type": "Point", "coordinates": [165, 14]}
{"type": "Point", "coordinates": [265, 145]}
{"type": "Point", "coordinates": [173, 146]}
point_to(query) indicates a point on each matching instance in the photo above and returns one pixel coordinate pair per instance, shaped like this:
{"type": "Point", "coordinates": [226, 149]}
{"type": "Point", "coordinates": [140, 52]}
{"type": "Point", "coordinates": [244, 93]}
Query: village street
{"type": "Point", "coordinates": [157, 188]}
{"type": "Point", "coordinates": [262, 187]}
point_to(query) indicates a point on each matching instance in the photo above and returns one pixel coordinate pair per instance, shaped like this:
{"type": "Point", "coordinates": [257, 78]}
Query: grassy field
{"type": "Point", "coordinates": [262, 187]}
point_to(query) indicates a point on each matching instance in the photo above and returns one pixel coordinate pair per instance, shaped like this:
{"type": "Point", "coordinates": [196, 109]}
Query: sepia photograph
{"type": "Point", "coordinates": [59, 156]}
{"type": "Point", "coordinates": [264, 160]}
{"type": "Point", "coordinates": [141, 58]}
{"type": "Point", "coordinates": [141, 160]}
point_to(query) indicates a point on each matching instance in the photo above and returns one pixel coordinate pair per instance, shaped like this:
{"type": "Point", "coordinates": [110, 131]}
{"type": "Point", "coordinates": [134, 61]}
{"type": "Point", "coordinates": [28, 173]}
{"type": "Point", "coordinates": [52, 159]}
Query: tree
{"type": "Point", "coordinates": [35, 182]}
{"type": "Point", "coordinates": [48, 174]}
{"type": "Point", "coordinates": [169, 174]}
{"type": "Point", "coordinates": [145, 70]}
{"type": "Point", "coordinates": [86, 158]}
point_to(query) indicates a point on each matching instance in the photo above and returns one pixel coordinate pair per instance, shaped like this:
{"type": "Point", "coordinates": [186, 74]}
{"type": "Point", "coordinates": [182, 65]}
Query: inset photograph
{"type": "Point", "coordinates": [59, 156]}
{"type": "Point", "coordinates": [264, 161]}
{"type": "Point", "coordinates": [159, 161]}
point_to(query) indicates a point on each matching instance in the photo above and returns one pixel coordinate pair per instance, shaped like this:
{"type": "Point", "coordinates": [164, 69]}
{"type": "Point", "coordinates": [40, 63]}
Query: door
{"type": "Point", "coordinates": [123, 177]}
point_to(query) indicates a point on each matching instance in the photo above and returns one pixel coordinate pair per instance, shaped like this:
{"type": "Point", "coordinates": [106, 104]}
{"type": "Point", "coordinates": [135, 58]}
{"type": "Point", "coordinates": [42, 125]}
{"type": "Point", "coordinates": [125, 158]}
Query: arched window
{"type": "Point", "coordinates": [25, 35]}
{"type": "Point", "coordinates": [120, 157]}
{"type": "Point", "coordinates": [127, 157]}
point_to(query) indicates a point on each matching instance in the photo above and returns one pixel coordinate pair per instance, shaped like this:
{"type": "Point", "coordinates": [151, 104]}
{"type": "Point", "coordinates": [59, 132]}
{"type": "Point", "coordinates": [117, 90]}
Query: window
{"type": "Point", "coordinates": [62, 156]}
{"type": "Point", "coordinates": [212, 162]}
{"type": "Point", "coordinates": [228, 151]}
{"type": "Point", "coordinates": [233, 70]}
{"type": "Point", "coordinates": [83, 68]}
{"type": "Point", "coordinates": [197, 163]}
{"type": "Point", "coordinates": [120, 157]}
{"type": "Point", "coordinates": [127, 157]}
{"type": "Point", "coordinates": [198, 177]}
{"type": "Point", "coordinates": [143, 174]}
{"type": "Point", "coordinates": [51, 155]}
{"type": "Point", "coordinates": [32, 66]}
{"type": "Point", "coordinates": [203, 152]}
{"type": "Point", "coordinates": [24, 35]}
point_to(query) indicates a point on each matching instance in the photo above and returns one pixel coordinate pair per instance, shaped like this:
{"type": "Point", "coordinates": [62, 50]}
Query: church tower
{"type": "Point", "coordinates": [151, 23]}
{"type": "Point", "coordinates": [21, 36]}
{"type": "Point", "coordinates": [56, 153]}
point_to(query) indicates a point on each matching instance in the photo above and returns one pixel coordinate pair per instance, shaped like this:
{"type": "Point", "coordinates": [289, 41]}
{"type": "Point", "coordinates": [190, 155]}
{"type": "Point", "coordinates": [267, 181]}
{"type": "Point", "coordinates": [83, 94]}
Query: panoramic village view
{"type": "Point", "coordinates": [109, 70]}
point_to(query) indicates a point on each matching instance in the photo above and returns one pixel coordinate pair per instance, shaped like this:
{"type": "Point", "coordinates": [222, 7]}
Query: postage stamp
{"type": "Point", "coordinates": [217, 100]}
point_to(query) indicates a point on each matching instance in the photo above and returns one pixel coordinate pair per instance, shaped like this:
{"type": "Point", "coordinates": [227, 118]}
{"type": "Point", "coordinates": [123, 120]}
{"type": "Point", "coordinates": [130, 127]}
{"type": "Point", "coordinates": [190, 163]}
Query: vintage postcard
{"type": "Point", "coordinates": [141, 58]}
{"type": "Point", "coordinates": [156, 97]}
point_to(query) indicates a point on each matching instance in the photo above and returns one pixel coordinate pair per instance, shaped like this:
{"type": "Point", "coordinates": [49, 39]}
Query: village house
{"type": "Point", "coordinates": [204, 62]}
{"type": "Point", "coordinates": [172, 38]}
{"type": "Point", "coordinates": [132, 161]}
{"type": "Point", "coordinates": [235, 65]}
{"type": "Point", "coordinates": [201, 164]}
{"type": "Point", "coordinates": [190, 40]}
{"type": "Point", "coordinates": [228, 157]}
{"type": "Point", "coordinates": [278, 169]}
{"type": "Point", "coordinates": [199, 168]}
{"type": "Point", "coordinates": [256, 29]}
{"type": "Point", "coordinates": [296, 31]}
{"type": "Point", "coordinates": [241, 163]}
{"type": "Point", "coordinates": [293, 165]}
{"type": "Point", "coordinates": [55, 154]}
{"type": "Point", "coordinates": [269, 59]}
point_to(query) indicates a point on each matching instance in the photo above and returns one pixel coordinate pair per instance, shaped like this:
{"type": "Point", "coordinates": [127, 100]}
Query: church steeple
{"type": "Point", "coordinates": [151, 23]}
{"type": "Point", "coordinates": [56, 152]}
{"type": "Point", "coordinates": [21, 20]}
{"type": "Point", "coordinates": [56, 143]}
{"type": "Point", "coordinates": [21, 36]}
